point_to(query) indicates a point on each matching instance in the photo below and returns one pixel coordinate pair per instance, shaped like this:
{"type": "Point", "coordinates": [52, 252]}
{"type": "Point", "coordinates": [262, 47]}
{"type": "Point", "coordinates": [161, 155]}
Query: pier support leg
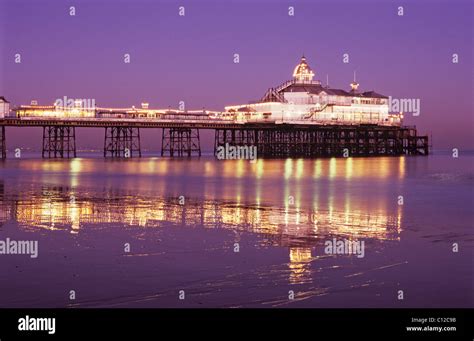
{"type": "Point", "coordinates": [59, 142]}
{"type": "Point", "coordinates": [3, 145]}
{"type": "Point", "coordinates": [180, 142]}
{"type": "Point", "coordinates": [422, 146]}
{"type": "Point", "coordinates": [122, 142]}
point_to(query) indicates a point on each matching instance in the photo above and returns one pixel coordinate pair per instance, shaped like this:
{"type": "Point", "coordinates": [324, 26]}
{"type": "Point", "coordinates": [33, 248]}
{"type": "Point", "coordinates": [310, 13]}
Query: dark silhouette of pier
{"type": "Point", "coordinates": [181, 138]}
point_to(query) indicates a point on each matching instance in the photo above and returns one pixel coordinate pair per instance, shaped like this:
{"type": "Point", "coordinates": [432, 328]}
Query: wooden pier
{"type": "Point", "coordinates": [273, 140]}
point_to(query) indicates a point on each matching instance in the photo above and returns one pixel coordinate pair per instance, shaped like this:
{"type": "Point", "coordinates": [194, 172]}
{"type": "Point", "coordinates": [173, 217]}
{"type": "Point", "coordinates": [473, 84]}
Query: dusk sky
{"type": "Point", "coordinates": [309, 196]}
{"type": "Point", "coordinates": [190, 58]}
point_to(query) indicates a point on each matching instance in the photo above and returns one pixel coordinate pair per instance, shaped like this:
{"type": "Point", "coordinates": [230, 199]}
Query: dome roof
{"type": "Point", "coordinates": [302, 71]}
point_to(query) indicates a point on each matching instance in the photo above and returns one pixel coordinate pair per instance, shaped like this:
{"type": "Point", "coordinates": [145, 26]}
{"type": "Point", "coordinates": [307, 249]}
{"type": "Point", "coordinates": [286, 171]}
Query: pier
{"type": "Point", "coordinates": [325, 141]}
{"type": "Point", "coordinates": [59, 141]}
{"type": "Point", "coordinates": [181, 138]}
{"type": "Point", "coordinates": [122, 142]}
{"type": "Point", "coordinates": [298, 118]}
{"type": "Point", "coordinates": [3, 144]}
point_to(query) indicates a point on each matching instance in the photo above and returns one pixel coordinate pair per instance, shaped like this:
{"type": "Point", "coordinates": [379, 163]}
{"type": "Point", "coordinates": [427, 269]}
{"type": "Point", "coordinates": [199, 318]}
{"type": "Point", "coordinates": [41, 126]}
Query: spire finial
{"type": "Point", "coordinates": [354, 84]}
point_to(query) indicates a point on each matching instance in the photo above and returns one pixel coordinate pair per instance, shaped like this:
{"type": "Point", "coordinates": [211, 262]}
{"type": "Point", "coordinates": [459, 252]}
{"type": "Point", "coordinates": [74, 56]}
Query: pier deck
{"type": "Point", "coordinates": [272, 139]}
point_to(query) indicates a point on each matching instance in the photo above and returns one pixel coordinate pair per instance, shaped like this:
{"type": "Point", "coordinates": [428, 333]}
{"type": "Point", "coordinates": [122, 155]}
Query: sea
{"type": "Point", "coordinates": [154, 232]}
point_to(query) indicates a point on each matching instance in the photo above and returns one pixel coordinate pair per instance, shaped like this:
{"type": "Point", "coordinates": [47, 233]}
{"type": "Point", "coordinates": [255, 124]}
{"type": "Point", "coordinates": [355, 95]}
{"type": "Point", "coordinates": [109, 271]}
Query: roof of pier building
{"type": "Point", "coordinates": [303, 72]}
{"type": "Point", "coordinates": [303, 82]}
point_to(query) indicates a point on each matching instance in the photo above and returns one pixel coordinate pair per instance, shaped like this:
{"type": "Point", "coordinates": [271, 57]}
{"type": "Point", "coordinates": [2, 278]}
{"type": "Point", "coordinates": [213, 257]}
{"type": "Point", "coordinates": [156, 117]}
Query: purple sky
{"type": "Point", "coordinates": [190, 58]}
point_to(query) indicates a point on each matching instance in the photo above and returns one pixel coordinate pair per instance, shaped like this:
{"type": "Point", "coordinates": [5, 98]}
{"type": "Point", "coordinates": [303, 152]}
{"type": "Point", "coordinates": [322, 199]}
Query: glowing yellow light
{"type": "Point", "coordinates": [317, 169]}
{"type": "Point", "coordinates": [299, 168]}
{"type": "Point", "coordinates": [332, 168]}
{"type": "Point", "coordinates": [349, 168]}
{"type": "Point", "coordinates": [288, 168]}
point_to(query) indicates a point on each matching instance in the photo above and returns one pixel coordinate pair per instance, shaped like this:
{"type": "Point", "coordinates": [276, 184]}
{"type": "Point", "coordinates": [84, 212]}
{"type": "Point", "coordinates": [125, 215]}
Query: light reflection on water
{"type": "Point", "coordinates": [281, 212]}
{"type": "Point", "coordinates": [289, 203]}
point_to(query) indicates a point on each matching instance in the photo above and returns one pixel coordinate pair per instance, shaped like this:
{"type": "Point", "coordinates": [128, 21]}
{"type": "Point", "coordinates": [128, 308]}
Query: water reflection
{"type": "Point", "coordinates": [61, 208]}
{"type": "Point", "coordinates": [300, 269]}
{"type": "Point", "coordinates": [376, 168]}
{"type": "Point", "coordinates": [326, 206]}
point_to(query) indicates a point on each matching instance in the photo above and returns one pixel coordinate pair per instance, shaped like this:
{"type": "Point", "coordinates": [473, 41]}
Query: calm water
{"type": "Point", "coordinates": [278, 213]}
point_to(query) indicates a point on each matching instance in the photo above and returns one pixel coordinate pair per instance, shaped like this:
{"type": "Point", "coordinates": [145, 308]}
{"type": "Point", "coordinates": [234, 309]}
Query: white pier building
{"type": "Point", "coordinates": [305, 99]}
